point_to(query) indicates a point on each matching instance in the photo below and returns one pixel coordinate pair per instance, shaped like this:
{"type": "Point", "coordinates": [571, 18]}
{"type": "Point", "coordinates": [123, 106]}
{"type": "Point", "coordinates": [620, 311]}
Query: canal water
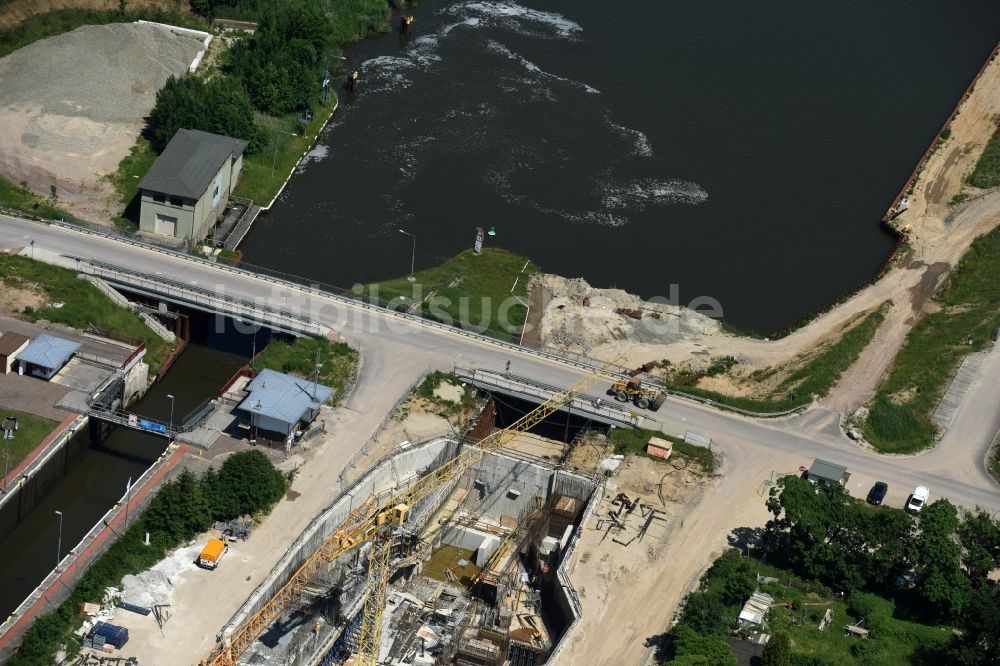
{"type": "Point", "coordinates": [97, 472]}
{"type": "Point", "coordinates": [741, 150]}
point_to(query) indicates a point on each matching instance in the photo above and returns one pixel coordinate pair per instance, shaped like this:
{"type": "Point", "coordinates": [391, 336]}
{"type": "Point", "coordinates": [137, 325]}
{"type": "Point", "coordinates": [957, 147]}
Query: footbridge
{"type": "Point", "coordinates": [595, 407]}
{"type": "Point", "coordinates": [106, 405]}
{"type": "Point", "coordinates": [192, 295]}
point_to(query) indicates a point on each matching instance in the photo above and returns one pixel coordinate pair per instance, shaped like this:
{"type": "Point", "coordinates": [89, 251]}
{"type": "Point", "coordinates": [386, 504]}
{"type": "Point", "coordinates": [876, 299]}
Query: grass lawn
{"type": "Point", "coordinates": [31, 431]}
{"type": "Point", "coordinates": [265, 171]}
{"type": "Point", "coordinates": [900, 418]}
{"type": "Point", "coordinates": [126, 181]}
{"type": "Point", "coordinates": [82, 304]}
{"type": "Point", "coordinates": [471, 291]}
{"type": "Point", "coordinates": [634, 440]}
{"type": "Point", "coordinates": [22, 199]}
{"type": "Point", "coordinates": [987, 171]}
{"type": "Point", "coordinates": [299, 358]}
{"type": "Point", "coordinates": [816, 376]}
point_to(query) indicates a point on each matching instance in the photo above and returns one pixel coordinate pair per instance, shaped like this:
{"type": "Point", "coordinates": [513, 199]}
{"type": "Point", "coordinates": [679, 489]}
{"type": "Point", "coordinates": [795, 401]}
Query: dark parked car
{"type": "Point", "coordinates": [877, 493]}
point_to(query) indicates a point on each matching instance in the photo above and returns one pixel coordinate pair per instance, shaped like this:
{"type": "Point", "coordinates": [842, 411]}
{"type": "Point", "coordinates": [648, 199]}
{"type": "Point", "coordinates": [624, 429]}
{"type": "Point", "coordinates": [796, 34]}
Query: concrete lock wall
{"type": "Point", "coordinates": [504, 486]}
{"type": "Point", "coordinates": [386, 476]}
{"type": "Point", "coordinates": [568, 484]}
{"type": "Point", "coordinates": [21, 499]}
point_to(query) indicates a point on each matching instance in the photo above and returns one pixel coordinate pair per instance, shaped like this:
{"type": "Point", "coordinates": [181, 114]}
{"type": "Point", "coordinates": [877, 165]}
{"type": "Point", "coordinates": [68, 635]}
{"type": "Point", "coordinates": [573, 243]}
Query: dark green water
{"type": "Point", "coordinates": [743, 151]}
{"type": "Point", "coordinates": [88, 481]}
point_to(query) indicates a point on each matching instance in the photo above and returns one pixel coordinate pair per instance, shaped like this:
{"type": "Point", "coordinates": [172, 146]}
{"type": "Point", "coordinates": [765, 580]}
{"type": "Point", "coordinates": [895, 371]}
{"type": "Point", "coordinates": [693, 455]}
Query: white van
{"type": "Point", "coordinates": [918, 499]}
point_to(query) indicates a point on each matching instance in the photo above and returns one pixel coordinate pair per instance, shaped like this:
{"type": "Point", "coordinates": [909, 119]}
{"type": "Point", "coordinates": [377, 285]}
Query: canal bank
{"type": "Point", "coordinates": [94, 474]}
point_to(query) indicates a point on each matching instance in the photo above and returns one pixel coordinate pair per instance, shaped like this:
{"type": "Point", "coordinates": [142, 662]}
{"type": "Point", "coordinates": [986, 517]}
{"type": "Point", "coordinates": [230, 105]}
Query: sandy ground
{"type": "Point", "coordinates": [630, 592]}
{"type": "Point", "coordinates": [55, 131]}
{"type": "Point", "coordinates": [939, 236]}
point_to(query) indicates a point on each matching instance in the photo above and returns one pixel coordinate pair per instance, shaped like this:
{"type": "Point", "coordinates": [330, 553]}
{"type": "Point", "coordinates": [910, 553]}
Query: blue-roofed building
{"type": "Point", "coordinates": [280, 403]}
{"type": "Point", "coordinates": [46, 355]}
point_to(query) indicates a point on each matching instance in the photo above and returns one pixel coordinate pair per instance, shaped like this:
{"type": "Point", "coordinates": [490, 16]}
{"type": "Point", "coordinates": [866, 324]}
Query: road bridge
{"type": "Point", "coordinates": [397, 348]}
{"type": "Point", "coordinates": [207, 299]}
{"type": "Point", "coordinates": [595, 407]}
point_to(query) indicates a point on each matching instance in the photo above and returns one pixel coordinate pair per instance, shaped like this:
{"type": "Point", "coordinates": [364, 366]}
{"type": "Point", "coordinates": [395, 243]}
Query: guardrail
{"type": "Point", "coordinates": [575, 360]}
{"type": "Point", "coordinates": [207, 297]}
{"type": "Point", "coordinates": [313, 288]}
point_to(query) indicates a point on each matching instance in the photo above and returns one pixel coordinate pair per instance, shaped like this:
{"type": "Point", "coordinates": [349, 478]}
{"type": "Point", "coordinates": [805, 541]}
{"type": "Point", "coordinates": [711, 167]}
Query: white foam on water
{"type": "Point", "coordinates": [516, 16]}
{"type": "Point", "coordinates": [641, 193]}
{"type": "Point", "coordinates": [497, 47]}
{"type": "Point", "coordinates": [471, 22]}
{"type": "Point", "coordinates": [318, 153]}
{"type": "Point", "coordinates": [640, 145]}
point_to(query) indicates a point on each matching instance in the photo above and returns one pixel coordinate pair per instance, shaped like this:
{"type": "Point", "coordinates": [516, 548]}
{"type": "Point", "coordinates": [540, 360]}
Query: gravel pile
{"type": "Point", "coordinates": [72, 105]}
{"type": "Point", "coordinates": [108, 73]}
{"type": "Point", "coordinates": [154, 586]}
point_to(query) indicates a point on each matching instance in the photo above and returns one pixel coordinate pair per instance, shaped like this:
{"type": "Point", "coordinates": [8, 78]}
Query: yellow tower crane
{"type": "Point", "coordinates": [372, 520]}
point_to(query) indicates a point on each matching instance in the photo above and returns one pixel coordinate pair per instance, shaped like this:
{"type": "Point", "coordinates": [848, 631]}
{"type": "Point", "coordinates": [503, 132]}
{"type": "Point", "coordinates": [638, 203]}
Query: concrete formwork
{"type": "Point", "coordinates": [490, 483]}
{"type": "Point", "coordinates": [500, 485]}
{"type": "Point", "coordinates": [387, 476]}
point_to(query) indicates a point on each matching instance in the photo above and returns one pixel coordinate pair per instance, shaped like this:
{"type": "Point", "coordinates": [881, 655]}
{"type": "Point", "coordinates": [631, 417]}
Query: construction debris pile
{"type": "Point", "coordinates": [578, 317]}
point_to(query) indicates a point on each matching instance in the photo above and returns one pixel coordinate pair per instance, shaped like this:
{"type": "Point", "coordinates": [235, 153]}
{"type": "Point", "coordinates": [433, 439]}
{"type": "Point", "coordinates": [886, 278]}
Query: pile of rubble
{"type": "Point", "coordinates": [579, 318]}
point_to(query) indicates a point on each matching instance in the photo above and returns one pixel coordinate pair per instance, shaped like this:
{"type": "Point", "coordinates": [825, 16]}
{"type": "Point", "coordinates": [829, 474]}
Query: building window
{"type": "Point", "coordinates": [176, 201]}
{"type": "Point", "coordinates": [159, 198]}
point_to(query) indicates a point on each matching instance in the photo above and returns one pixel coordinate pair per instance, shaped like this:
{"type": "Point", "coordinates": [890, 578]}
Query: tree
{"type": "Point", "coordinates": [180, 510]}
{"type": "Point", "coordinates": [824, 533]}
{"type": "Point", "coordinates": [691, 648]}
{"type": "Point", "coordinates": [221, 106]}
{"type": "Point", "coordinates": [707, 614]}
{"type": "Point", "coordinates": [247, 483]}
{"type": "Point", "coordinates": [735, 576]}
{"type": "Point", "coordinates": [979, 644]}
{"type": "Point", "coordinates": [281, 63]}
{"type": "Point", "coordinates": [979, 535]}
{"type": "Point", "coordinates": [778, 651]}
{"type": "Point", "coordinates": [936, 557]}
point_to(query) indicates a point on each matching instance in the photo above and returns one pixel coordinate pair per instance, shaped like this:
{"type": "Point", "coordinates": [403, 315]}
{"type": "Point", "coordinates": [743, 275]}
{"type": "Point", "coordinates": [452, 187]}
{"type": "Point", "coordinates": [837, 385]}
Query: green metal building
{"type": "Point", "coordinates": [187, 188]}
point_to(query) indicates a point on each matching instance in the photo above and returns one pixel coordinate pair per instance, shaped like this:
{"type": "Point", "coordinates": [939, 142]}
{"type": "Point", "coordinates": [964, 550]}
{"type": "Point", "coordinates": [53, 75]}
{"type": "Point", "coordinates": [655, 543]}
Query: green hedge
{"type": "Point", "coordinates": [247, 483]}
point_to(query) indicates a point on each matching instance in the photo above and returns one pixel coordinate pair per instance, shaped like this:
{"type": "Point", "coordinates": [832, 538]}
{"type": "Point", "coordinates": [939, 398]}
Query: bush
{"type": "Point", "coordinates": [247, 483]}
{"type": "Point", "coordinates": [778, 651]}
{"type": "Point", "coordinates": [987, 171]}
{"type": "Point", "coordinates": [863, 604]}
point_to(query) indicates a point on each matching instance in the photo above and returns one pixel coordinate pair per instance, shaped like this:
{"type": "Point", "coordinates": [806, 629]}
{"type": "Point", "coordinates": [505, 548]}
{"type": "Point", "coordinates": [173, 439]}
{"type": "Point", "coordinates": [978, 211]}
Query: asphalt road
{"type": "Point", "coordinates": [396, 352]}
{"type": "Point", "coordinates": [392, 347]}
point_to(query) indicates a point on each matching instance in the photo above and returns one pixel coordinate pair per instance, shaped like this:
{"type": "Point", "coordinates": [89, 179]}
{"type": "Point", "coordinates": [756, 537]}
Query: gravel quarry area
{"type": "Point", "coordinates": [72, 105]}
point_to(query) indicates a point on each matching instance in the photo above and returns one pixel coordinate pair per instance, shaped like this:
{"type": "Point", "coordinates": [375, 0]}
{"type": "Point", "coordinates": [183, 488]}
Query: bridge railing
{"type": "Point", "coordinates": [344, 296]}
{"type": "Point", "coordinates": [229, 304]}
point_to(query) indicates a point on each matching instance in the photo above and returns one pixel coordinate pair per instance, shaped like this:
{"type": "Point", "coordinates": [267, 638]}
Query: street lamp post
{"type": "Point", "coordinates": [171, 422]}
{"type": "Point", "coordinates": [413, 254]}
{"type": "Point", "coordinates": [59, 543]}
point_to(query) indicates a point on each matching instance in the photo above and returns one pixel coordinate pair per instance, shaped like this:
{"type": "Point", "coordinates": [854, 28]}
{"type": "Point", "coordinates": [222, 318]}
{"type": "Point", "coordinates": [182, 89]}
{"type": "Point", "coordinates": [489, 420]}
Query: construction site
{"type": "Point", "coordinates": [450, 551]}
